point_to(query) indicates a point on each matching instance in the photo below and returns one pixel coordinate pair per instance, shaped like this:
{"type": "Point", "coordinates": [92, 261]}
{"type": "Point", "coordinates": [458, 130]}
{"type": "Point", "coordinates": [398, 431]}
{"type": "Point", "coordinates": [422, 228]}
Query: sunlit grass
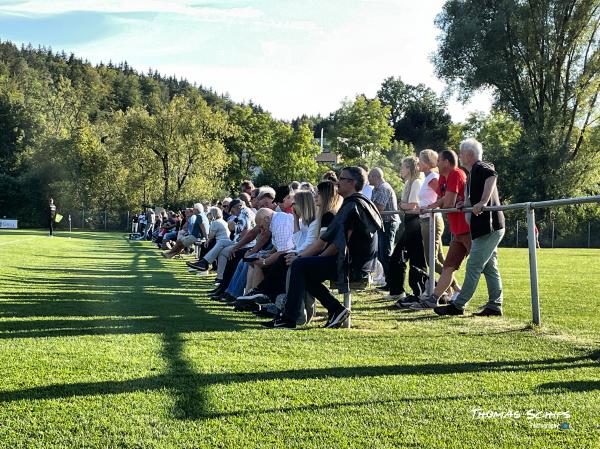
{"type": "Point", "coordinates": [105, 344]}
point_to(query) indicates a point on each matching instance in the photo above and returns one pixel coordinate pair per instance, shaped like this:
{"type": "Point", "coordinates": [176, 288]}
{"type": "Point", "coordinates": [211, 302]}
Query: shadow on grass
{"type": "Point", "coordinates": [575, 386]}
{"type": "Point", "coordinates": [136, 294]}
{"type": "Point", "coordinates": [191, 387]}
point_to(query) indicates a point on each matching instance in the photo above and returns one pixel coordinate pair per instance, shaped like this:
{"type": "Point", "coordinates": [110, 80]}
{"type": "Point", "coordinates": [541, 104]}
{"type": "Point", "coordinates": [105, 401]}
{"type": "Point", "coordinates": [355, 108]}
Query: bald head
{"type": "Point", "coordinates": [264, 217]}
{"type": "Point", "coordinates": [376, 176]}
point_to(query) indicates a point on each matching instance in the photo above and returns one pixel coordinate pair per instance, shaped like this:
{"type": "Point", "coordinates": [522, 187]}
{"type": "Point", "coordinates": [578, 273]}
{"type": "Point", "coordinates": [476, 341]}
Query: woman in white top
{"type": "Point", "coordinates": [219, 232]}
{"type": "Point", "coordinates": [428, 195]}
{"type": "Point", "coordinates": [306, 225]}
{"type": "Point", "coordinates": [410, 244]}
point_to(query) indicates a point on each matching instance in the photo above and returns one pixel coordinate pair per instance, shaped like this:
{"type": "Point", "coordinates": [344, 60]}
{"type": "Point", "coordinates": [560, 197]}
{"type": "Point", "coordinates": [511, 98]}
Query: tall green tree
{"type": "Point", "coordinates": [361, 127]}
{"type": "Point", "coordinates": [542, 61]}
{"type": "Point", "coordinates": [294, 155]}
{"type": "Point", "coordinates": [186, 137]}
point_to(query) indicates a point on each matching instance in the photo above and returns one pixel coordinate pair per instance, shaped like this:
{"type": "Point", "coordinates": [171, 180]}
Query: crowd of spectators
{"type": "Point", "coordinates": [271, 250]}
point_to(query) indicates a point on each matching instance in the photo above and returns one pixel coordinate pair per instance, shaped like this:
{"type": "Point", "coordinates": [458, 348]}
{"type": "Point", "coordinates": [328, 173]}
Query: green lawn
{"type": "Point", "coordinates": [103, 343]}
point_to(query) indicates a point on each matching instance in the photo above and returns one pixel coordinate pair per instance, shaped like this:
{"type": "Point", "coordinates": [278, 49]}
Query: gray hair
{"type": "Point", "coordinates": [199, 207]}
{"type": "Point", "coordinates": [473, 146]}
{"type": "Point", "coordinates": [377, 172]}
{"type": "Point", "coordinates": [215, 213]}
{"type": "Point", "coordinates": [266, 190]}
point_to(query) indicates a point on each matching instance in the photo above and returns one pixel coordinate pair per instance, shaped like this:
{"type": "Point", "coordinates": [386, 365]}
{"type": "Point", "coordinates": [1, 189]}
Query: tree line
{"type": "Point", "coordinates": [108, 137]}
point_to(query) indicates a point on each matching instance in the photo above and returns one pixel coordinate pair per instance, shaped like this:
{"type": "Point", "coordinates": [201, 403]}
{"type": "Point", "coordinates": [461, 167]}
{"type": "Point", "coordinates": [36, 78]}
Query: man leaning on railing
{"type": "Point", "coordinates": [487, 230]}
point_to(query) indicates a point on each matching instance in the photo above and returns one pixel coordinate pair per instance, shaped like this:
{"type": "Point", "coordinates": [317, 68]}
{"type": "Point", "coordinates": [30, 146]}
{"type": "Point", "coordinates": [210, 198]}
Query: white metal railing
{"type": "Point", "coordinates": [530, 210]}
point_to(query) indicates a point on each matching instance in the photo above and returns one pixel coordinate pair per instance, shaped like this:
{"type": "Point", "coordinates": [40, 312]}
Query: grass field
{"type": "Point", "coordinates": [103, 344]}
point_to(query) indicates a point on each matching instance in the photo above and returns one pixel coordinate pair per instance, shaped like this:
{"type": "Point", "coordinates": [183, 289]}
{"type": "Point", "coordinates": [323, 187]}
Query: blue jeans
{"type": "Point", "coordinates": [483, 258]}
{"type": "Point", "coordinates": [238, 281]}
{"type": "Point", "coordinates": [307, 275]}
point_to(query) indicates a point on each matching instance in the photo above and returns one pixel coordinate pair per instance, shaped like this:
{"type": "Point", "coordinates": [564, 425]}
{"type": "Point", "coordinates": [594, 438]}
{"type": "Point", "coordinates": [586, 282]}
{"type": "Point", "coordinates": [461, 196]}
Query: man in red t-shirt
{"type": "Point", "coordinates": [451, 190]}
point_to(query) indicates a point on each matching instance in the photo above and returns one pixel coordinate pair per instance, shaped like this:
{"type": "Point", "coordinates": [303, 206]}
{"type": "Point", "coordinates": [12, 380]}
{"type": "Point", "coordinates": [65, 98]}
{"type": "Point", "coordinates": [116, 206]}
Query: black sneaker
{"type": "Point", "coordinates": [488, 312]}
{"type": "Point", "coordinates": [279, 323]}
{"type": "Point", "coordinates": [450, 309]}
{"type": "Point", "coordinates": [406, 302]}
{"type": "Point", "coordinates": [336, 319]}
{"type": "Point", "coordinates": [384, 288]}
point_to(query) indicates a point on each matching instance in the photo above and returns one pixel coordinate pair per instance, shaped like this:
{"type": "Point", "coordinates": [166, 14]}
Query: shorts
{"type": "Point", "coordinates": [459, 249]}
{"type": "Point", "coordinates": [188, 240]}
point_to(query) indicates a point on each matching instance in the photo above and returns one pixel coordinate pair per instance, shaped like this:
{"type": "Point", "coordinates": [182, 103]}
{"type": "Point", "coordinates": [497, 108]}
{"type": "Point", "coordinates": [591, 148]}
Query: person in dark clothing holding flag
{"type": "Point", "coordinates": [51, 216]}
{"type": "Point", "coordinates": [344, 252]}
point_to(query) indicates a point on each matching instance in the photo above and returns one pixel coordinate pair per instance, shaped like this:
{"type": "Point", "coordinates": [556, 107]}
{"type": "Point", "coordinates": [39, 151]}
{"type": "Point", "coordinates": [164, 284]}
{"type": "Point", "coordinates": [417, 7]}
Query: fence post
{"type": "Point", "coordinates": [431, 261]}
{"type": "Point", "coordinates": [83, 219]}
{"type": "Point", "coordinates": [347, 305]}
{"type": "Point", "coordinates": [105, 220]}
{"type": "Point", "coordinates": [552, 233]}
{"type": "Point", "coordinates": [533, 272]}
{"type": "Point", "coordinates": [589, 234]}
{"type": "Point", "coordinates": [127, 223]}
{"type": "Point", "coordinates": [517, 239]}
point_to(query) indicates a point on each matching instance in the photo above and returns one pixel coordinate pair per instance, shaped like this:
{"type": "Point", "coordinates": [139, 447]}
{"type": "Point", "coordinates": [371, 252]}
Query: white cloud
{"type": "Point", "coordinates": [183, 7]}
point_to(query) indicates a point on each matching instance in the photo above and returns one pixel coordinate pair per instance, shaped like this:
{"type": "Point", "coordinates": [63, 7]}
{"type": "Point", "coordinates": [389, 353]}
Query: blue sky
{"type": "Point", "coordinates": [292, 57]}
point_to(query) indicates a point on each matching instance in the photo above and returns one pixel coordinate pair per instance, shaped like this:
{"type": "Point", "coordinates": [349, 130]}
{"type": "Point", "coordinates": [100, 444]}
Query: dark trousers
{"type": "Point", "coordinates": [274, 282]}
{"type": "Point", "coordinates": [51, 225]}
{"type": "Point", "coordinates": [385, 244]}
{"type": "Point", "coordinates": [231, 266]}
{"type": "Point", "coordinates": [408, 249]}
{"type": "Point", "coordinates": [307, 275]}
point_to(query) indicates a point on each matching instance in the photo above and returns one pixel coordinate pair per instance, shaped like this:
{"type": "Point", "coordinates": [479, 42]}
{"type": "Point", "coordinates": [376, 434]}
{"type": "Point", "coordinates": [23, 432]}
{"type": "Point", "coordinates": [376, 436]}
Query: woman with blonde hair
{"type": "Point", "coordinates": [428, 195]}
{"type": "Point", "coordinates": [410, 245]}
{"type": "Point", "coordinates": [328, 202]}
{"type": "Point", "coordinates": [306, 231]}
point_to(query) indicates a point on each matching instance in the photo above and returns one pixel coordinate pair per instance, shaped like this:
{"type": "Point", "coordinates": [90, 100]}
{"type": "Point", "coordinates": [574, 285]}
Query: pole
{"type": "Point", "coordinates": [105, 220]}
{"type": "Point", "coordinates": [533, 272]}
{"type": "Point", "coordinates": [70, 227]}
{"type": "Point", "coordinates": [127, 222]}
{"type": "Point", "coordinates": [431, 261]}
{"type": "Point", "coordinates": [321, 140]}
{"type": "Point", "coordinates": [517, 239]}
{"type": "Point", "coordinates": [347, 305]}
{"type": "Point", "coordinates": [83, 219]}
{"type": "Point", "coordinates": [552, 233]}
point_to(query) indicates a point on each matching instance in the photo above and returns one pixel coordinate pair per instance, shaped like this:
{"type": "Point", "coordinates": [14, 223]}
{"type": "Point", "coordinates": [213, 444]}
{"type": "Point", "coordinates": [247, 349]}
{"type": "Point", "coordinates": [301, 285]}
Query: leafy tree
{"type": "Point", "coordinates": [186, 137]}
{"type": "Point", "coordinates": [361, 127]}
{"type": "Point", "coordinates": [294, 155]}
{"type": "Point", "coordinates": [542, 61]}
{"type": "Point", "coordinates": [250, 143]}
{"type": "Point", "coordinates": [417, 114]}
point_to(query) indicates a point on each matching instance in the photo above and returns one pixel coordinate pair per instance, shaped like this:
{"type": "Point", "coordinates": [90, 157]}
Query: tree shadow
{"type": "Point", "coordinates": [577, 386]}
{"type": "Point", "coordinates": [191, 388]}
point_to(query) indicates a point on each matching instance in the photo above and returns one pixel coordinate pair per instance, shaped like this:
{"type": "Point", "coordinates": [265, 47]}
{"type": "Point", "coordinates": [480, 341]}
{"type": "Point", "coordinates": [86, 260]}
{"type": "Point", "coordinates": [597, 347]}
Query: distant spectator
{"type": "Point", "coordinates": [384, 199]}
{"type": "Point", "coordinates": [246, 187]}
{"type": "Point", "coordinates": [330, 176]}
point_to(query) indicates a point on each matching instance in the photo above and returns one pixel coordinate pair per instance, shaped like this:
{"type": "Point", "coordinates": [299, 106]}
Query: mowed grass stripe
{"type": "Point", "coordinates": [105, 344]}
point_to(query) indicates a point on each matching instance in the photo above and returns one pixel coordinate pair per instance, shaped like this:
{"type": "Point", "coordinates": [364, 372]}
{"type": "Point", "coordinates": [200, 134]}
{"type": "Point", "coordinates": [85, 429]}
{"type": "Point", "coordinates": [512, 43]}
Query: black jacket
{"type": "Point", "coordinates": [359, 215]}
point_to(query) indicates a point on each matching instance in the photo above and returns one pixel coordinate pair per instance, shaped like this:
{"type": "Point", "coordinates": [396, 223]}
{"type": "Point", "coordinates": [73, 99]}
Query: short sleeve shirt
{"type": "Point", "coordinates": [384, 195]}
{"type": "Point", "coordinates": [486, 222]}
{"type": "Point", "coordinates": [282, 231]}
{"type": "Point", "coordinates": [455, 183]}
{"type": "Point", "coordinates": [244, 222]}
{"type": "Point", "coordinates": [219, 229]}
